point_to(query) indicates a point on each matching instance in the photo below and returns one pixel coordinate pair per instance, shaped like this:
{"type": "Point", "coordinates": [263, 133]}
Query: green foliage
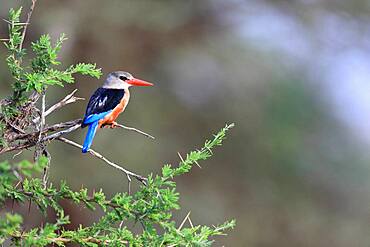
{"type": "Point", "coordinates": [42, 71]}
{"type": "Point", "coordinates": [2, 130]}
{"type": "Point", "coordinates": [14, 44]}
{"type": "Point", "coordinates": [35, 78]}
{"type": "Point", "coordinates": [151, 206]}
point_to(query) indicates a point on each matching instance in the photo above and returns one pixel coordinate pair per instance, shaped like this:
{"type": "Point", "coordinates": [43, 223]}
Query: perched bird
{"type": "Point", "coordinates": [107, 103]}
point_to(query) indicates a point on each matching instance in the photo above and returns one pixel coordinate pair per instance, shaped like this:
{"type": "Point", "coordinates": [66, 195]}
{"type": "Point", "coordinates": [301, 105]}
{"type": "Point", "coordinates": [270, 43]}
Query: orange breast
{"type": "Point", "coordinates": [111, 117]}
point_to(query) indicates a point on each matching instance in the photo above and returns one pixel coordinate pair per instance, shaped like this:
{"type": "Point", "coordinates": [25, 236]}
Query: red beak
{"type": "Point", "coordinates": [138, 82]}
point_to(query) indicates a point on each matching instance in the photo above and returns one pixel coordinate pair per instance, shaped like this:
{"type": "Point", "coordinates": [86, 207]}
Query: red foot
{"type": "Point", "coordinates": [111, 125]}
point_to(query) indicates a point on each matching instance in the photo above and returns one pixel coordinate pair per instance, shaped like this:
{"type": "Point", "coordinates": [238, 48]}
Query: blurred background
{"type": "Point", "coordinates": [293, 76]}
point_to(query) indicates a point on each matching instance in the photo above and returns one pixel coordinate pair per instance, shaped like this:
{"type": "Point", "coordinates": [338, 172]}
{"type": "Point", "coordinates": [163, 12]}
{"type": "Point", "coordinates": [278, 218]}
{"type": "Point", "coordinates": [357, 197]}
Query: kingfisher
{"type": "Point", "coordinates": [107, 103]}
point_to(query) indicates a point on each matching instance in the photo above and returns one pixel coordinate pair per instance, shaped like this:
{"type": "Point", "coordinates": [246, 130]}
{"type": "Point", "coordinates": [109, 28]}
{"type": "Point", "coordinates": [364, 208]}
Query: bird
{"type": "Point", "coordinates": [107, 103]}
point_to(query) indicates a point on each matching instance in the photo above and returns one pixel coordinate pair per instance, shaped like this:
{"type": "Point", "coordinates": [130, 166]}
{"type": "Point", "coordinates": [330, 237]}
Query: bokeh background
{"type": "Point", "coordinates": [293, 76]}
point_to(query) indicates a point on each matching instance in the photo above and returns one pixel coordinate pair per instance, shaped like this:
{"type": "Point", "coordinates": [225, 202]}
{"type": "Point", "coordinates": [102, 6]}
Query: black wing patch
{"type": "Point", "coordinates": [103, 100]}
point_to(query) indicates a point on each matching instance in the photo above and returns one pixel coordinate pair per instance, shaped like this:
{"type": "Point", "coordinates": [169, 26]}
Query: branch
{"type": "Point", "coordinates": [99, 156]}
{"type": "Point", "coordinates": [30, 141]}
{"type": "Point", "coordinates": [70, 98]}
{"type": "Point", "coordinates": [136, 130]}
{"type": "Point", "coordinates": [48, 129]}
{"type": "Point", "coordinates": [60, 133]}
{"type": "Point", "coordinates": [40, 147]}
{"type": "Point", "coordinates": [64, 240]}
{"type": "Point", "coordinates": [27, 22]}
{"type": "Point", "coordinates": [71, 125]}
{"type": "Point", "coordinates": [20, 146]}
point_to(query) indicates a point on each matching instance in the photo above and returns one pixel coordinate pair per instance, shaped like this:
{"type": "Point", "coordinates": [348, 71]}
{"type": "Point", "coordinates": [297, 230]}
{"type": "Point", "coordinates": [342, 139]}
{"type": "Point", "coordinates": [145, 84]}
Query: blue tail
{"type": "Point", "coordinates": [90, 136]}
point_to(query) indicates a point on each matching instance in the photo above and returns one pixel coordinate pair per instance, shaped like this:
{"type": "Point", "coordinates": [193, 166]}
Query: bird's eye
{"type": "Point", "coordinates": [123, 78]}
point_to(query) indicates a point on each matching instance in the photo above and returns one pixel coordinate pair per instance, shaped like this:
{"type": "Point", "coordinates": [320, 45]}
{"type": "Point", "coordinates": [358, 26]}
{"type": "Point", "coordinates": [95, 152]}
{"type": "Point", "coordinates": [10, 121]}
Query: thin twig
{"type": "Point", "coordinates": [27, 21]}
{"type": "Point", "coordinates": [121, 224]}
{"type": "Point", "coordinates": [16, 24]}
{"type": "Point", "coordinates": [42, 123]}
{"type": "Point", "coordinates": [99, 156]}
{"type": "Point", "coordinates": [70, 98]}
{"type": "Point", "coordinates": [16, 147]}
{"type": "Point", "coordinates": [16, 127]}
{"type": "Point", "coordinates": [15, 155]}
{"type": "Point", "coordinates": [129, 184]}
{"type": "Point", "coordinates": [7, 21]}
{"type": "Point", "coordinates": [40, 147]}
{"type": "Point", "coordinates": [60, 133]}
{"type": "Point", "coordinates": [136, 130]}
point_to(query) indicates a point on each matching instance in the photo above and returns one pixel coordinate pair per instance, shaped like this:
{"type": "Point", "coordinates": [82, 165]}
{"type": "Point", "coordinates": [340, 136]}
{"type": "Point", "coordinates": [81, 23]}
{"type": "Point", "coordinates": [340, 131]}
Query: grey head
{"type": "Point", "coordinates": [118, 80]}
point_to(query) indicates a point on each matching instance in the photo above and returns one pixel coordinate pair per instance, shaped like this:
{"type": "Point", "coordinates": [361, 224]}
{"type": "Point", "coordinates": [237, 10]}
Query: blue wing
{"type": "Point", "coordinates": [101, 103]}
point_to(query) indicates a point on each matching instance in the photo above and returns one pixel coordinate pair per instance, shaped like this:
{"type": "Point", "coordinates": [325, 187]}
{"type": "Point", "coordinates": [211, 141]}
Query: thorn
{"type": "Point", "coordinates": [129, 184]}
{"type": "Point", "coordinates": [196, 162]}
{"type": "Point", "coordinates": [183, 222]}
{"type": "Point", "coordinates": [191, 223]}
{"type": "Point", "coordinates": [69, 96]}
{"type": "Point", "coordinates": [72, 93]}
{"type": "Point", "coordinates": [19, 182]}
{"type": "Point", "coordinates": [182, 160]}
{"type": "Point", "coordinates": [121, 224]}
{"type": "Point", "coordinates": [29, 206]}
{"type": "Point", "coordinates": [210, 151]}
{"type": "Point", "coordinates": [16, 23]}
{"type": "Point", "coordinates": [9, 22]}
{"type": "Point", "coordinates": [15, 155]}
{"type": "Point", "coordinates": [21, 24]}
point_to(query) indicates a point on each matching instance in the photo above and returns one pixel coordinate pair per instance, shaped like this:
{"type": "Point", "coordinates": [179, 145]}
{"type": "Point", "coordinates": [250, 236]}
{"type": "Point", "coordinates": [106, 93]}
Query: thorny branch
{"type": "Point", "coordinates": [64, 240]}
{"type": "Point", "coordinates": [70, 98]}
{"type": "Point", "coordinates": [136, 130]}
{"type": "Point", "coordinates": [99, 156]}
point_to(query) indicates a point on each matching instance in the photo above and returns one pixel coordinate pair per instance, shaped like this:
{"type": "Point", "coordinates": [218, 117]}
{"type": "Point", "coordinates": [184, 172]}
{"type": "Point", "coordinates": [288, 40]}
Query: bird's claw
{"type": "Point", "coordinates": [109, 125]}
{"type": "Point", "coordinates": [113, 125]}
